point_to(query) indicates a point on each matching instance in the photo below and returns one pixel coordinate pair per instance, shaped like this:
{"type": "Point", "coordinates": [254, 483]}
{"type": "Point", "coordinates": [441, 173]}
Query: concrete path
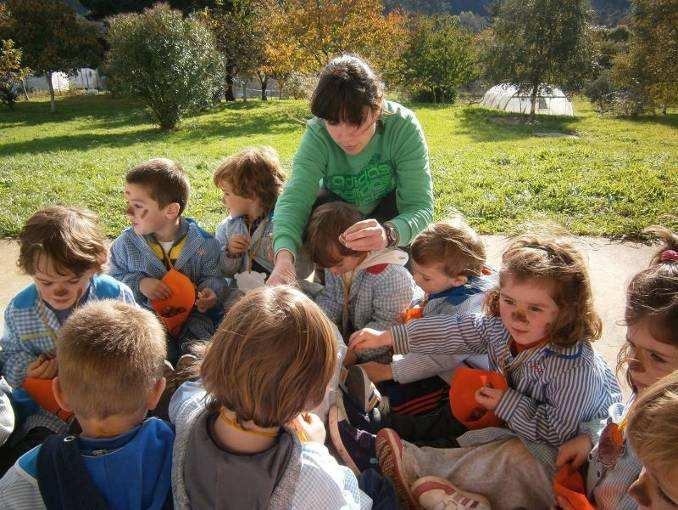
{"type": "Point", "coordinates": [612, 264]}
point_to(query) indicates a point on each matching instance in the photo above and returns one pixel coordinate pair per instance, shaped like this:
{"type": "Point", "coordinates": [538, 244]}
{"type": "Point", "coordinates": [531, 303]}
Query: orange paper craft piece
{"type": "Point", "coordinates": [569, 484]}
{"type": "Point", "coordinates": [465, 408]}
{"type": "Point", "coordinates": [41, 392]}
{"type": "Point", "coordinates": [412, 313]}
{"type": "Point", "coordinates": [174, 310]}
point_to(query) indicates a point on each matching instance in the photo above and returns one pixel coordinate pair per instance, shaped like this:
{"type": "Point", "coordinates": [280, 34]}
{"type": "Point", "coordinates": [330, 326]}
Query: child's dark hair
{"type": "Point", "coordinates": [70, 237]}
{"type": "Point", "coordinates": [253, 173]}
{"type": "Point", "coordinates": [346, 86]}
{"type": "Point", "coordinates": [452, 243]}
{"type": "Point", "coordinates": [652, 295]}
{"type": "Point", "coordinates": [164, 179]}
{"type": "Point", "coordinates": [326, 224]}
{"type": "Point", "coordinates": [556, 263]}
{"type": "Point", "coordinates": [271, 358]}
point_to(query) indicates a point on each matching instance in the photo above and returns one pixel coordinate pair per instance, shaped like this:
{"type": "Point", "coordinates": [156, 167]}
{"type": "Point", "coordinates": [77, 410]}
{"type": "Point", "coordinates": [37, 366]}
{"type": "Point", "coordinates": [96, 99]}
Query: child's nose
{"type": "Point", "coordinates": [519, 315]}
{"type": "Point", "coordinates": [60, 291]}
{"type": "Point", "coordinates": [129, 211]}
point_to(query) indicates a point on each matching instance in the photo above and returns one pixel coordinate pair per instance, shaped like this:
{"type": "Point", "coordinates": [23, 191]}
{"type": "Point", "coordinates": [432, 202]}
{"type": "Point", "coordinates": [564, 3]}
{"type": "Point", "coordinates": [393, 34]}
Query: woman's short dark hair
{"type": "Point", "coordinates": [346, 86]}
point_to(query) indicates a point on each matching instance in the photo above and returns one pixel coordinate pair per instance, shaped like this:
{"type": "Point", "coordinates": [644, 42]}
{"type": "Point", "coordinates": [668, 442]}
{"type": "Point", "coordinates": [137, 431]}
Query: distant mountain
{"type": "Point", "coordinates": [608, 12]}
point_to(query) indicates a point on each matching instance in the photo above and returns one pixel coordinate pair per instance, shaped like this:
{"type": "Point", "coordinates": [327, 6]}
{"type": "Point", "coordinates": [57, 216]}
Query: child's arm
{"type": "Point", "coordinates": [209, 271]}
{"type": "Point", "coordinates": [229, 263]}
{"type": "Point", "coordinates": [392, 294]}
{"type": "Point", "coordinates": [16, 353]}
{"type": "Point", "coordinates": [119, 269]}
{"type": "Point", "coordinates": [568, 398]}
{"type": "Point", "coordinates": [330, 298]}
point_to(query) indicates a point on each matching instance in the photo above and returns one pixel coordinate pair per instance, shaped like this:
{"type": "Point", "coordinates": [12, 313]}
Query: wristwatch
{"type": "Point", "coordinates": [392, 236]}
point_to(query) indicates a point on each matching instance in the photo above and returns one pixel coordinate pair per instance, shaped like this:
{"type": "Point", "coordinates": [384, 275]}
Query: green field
{"type": "Point", "coordinates": [606, 176]}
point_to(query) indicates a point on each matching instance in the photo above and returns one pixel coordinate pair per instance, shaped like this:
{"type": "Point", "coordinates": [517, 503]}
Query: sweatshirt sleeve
{"type": "Point", "coordinates": [414, 188]}
{"type": "Point", "coordinates": [294, 205]}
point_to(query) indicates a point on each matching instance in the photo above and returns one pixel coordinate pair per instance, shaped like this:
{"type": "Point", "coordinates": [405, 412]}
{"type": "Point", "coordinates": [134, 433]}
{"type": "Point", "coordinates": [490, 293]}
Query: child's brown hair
{"type": "Point", "coordinates": [110, 355]}
{"type": "Point", "coordinates": [452, 243]}
{"type": "Point", "coordinates": [271, 358]}
{"type": "Point", "coordinates": [70, 237]}
{"type": "Point", "coordinates": [326, 224]}
{"type": "Point", "coordinates": [165, 181]}
{"type": "Point", "coordinates": [556, 263]}
{"type": "Point", "coordinates": [253, 173]}
{"type": "Point", "coordinates": [652, 424]}
{"type": "Point", "coordinates": [652, 295]}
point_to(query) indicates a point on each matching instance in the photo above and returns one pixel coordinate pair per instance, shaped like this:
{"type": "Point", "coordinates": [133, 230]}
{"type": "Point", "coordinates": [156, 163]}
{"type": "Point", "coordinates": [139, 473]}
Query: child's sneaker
{"type": "Point", "coordinates": [390, 454]}
{"type": "Point", "coordinates": [361, 390]}
{"type": "Point", "coordinates": [435, 493]}
{"type": "Point", "coordinates": [355, 447]}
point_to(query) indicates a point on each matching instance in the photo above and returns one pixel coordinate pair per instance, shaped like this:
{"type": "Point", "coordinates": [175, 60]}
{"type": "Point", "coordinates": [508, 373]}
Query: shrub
{"type": "Point", "coordinates": [168, 61]}
{"type": "Point", "coordinates": [11, 72]}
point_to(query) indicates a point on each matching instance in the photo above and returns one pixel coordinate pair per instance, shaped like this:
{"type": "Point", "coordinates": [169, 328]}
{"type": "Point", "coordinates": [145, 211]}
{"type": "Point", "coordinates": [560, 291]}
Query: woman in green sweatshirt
{"type": "Point", "coordinates": [363, 150]}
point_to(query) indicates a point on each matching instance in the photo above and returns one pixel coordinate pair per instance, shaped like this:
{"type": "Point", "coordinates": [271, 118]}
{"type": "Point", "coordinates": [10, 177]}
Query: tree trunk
{"type": "Point", "coordinates": [533, 105]}
{"type": "Point", "coordinates": [52, 107]}
{"type": "Point", "coordinates": [228, 88]}
{"type": "Point", "coordinates": [244, 90]}
{"type": "Point", "coordinates": [264, 85]}
{"type": "Point", "coordinates": [23, 86]}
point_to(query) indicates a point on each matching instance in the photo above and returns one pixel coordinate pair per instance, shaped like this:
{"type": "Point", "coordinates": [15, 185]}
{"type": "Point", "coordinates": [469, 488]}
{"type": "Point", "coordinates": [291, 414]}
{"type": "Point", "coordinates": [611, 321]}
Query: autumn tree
{"type": "Point", "coordinates": [11, 72]}
{"type": "Point", "coordinates": [170, 62]}
{"type": "Point", "coordinates": [51, 37]}
{"type": "Point", "coordinates": [537, 42]}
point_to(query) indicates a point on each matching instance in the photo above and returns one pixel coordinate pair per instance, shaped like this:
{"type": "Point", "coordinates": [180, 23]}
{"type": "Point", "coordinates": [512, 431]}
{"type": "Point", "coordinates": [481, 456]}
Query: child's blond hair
{"type": "Point", "coordinates": [70, 237]}
{"type": "Point", "coordinates": [652, 424]}
{"type": "Point", "coordinates": [110, 356]}
{"type": "Point", "coordinates": [271, 358]}
{"type": "Point", "coordinates": [253, 173]}
{"type": "Point", "coordinates": [452, 243]}
{"type": "Point", "coordinates": [557, 264]}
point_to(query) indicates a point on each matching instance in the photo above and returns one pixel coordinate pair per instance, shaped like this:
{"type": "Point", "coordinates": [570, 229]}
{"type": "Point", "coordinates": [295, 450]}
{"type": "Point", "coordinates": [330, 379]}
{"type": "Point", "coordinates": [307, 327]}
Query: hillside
{"type": "Point", "coordinates": [608, 12]}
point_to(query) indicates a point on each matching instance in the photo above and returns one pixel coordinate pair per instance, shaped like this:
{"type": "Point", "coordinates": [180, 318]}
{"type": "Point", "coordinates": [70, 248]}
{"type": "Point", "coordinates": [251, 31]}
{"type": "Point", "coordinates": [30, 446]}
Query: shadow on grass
{"type": "Point", "coordinates": [225, 121]}
{"type": "Point", "coordinates": [485, 125]}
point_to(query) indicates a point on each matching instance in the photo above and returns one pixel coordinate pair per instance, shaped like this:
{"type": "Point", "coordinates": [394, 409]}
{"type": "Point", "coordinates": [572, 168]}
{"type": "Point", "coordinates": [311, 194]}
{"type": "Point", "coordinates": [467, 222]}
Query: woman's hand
{"type": "Point", "coordinates": [367, 338]}
{"type": "Point", "coordinates": [366, 235]}
{"type": "Point", "coordinates": [283, 272]}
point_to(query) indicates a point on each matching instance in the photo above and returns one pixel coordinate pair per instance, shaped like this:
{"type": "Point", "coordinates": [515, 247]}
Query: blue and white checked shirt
{"type": "Point", "coordinates": [551, 388]}
{"type": "Point", "coordinates": [27, 336]}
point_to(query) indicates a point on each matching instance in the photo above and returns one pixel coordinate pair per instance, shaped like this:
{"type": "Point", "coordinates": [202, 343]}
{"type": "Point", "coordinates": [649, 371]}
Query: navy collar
{"type": "Point", "coordinates": [457, 295]}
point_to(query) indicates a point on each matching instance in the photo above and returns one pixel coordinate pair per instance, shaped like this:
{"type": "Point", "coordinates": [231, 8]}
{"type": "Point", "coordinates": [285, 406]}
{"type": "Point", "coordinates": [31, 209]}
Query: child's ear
{"type": "Point", "coordinates": [172, 210]}
{"type": "Point", "coordinates": [59, 395]}
{"type": "Point", "coordinates": [458, 281]}
{"type": "Point", "coordinates": [156, 393]}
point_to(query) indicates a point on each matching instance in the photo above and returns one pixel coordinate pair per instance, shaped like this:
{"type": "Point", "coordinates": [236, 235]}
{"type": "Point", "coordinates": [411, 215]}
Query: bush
{"type": "Point", "coordinates": [170, 62]}
{"type": "Point", "coordinates": [437, 59]}
{"type": "Point", "coordinates": [11, 72]}
{"type": "Point", "coordinates": [601, 92]}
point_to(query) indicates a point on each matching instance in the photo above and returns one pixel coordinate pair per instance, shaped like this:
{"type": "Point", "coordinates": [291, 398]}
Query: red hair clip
{"type": "Point", "coordinates": [669, 255]}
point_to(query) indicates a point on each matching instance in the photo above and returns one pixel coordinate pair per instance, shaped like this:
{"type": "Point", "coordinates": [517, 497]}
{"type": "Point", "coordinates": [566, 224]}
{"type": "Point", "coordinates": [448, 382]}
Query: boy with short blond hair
{"type": "Point", "coordinates": [110, 374]}
{"type": "Point", "coordinates": [161, 239]}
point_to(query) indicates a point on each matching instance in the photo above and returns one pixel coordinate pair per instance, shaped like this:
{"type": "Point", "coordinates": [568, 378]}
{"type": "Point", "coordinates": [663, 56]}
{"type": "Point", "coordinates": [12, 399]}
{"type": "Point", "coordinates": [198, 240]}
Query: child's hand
{"type": "Point", "coordinates": [206, 300]}
{"type": "Point", "coordinates": [45, 367]}
{"type": "Point", "coordinates": [238, 244]}
{"type": "Point", "coordinates": [575, 451]}
{"type": "Point", "coordinates": [153, 288]}
{"type": "Point", "coordinates": [489, 397]}
{"type": "Point", "coordinates": [369, 338]}
{"type": "Point", "coordinates": [312, 426]}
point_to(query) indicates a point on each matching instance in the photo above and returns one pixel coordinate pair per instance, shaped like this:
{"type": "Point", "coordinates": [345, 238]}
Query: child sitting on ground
{"type": "Point", "coordinates": [64, 251]}
{"type": "Point", "coordinates": [362, 289]}
{"type": "Point", "coordinates": [248, 440]}
{"type": "Point", "coordinates": [651, 352]}
{"type": "Point", "coordinates": [159, 241]}
{"type": "Point", "coordinates": [110, 358]}
{"type": "Point", "coordinates": [251, 182]}
{"type": "Point", "coordinates": [537, 331]}
{"type": "Point", "coordinates": [448, 264]}
{"type": "Point", "coordinates": [653, 435]}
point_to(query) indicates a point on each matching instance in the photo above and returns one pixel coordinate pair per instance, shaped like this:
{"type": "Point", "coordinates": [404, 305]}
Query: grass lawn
{"type": "Point", "coordinates": [612, 177]}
